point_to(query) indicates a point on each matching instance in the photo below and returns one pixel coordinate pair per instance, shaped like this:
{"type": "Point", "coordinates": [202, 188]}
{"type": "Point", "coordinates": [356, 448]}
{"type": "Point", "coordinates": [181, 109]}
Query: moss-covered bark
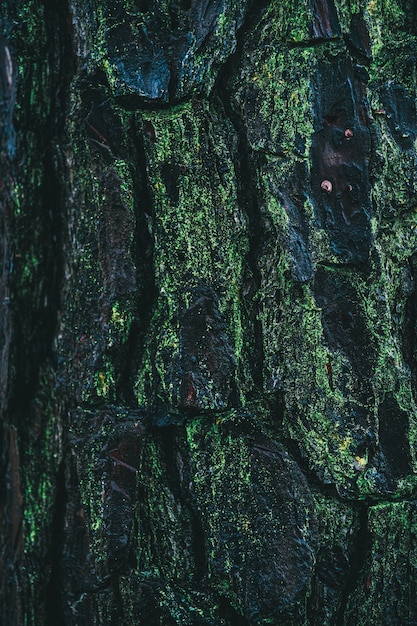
{"type": "Point", "coordinates": [208, 238]}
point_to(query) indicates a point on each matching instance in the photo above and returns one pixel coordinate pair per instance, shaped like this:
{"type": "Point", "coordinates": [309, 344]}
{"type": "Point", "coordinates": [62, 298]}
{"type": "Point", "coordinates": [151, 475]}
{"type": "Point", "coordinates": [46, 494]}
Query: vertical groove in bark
{"type": "Point", "coordinates": [143, 255]}
{"type": "Point", "coordinates": [246, 166]}
{"type": "Point", "coordinates": [54, 609]}
{"type": "Point", "coordinates": [359, 555]}
{"type": "Point", "coordinates": [247, 197]}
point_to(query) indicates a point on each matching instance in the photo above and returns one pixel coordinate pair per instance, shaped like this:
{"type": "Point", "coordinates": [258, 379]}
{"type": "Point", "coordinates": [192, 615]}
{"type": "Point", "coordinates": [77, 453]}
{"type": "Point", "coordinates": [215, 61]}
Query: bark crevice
{"type": "Point", "coordinates": [358, 558]}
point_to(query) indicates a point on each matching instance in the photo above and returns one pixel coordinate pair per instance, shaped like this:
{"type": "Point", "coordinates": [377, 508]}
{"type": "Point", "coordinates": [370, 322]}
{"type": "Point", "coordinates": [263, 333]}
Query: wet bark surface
{"type": "Point", "coordinates": [208, 243]}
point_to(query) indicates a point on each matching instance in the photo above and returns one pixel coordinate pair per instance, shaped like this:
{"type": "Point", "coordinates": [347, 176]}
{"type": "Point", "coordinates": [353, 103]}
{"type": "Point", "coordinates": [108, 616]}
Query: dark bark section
{"type": "Point", "coordinates": [204, 346]}
{"type": "Point", "coordinates": [178, 46]}
{"type": "Point", "coordinates": [340, 158]}
{"type": "Point", "coordinates": [325, 22]}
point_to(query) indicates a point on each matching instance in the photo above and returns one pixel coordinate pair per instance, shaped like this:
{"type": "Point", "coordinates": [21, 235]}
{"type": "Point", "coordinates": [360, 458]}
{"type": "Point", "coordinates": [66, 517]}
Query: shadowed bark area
{"type": "Point", "coordinates": [208, 243]}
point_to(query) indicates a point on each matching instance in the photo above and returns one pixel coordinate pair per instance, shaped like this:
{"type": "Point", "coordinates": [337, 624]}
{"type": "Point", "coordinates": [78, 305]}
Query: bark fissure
{"type": "Point", "coordinates": [356, 576]}
{"type": "Point", "coordinates": [245, 168]}
{"type": "Point", "coordinates": [54, 611]}
{"type": "Point", "coordinates": [143, 251]}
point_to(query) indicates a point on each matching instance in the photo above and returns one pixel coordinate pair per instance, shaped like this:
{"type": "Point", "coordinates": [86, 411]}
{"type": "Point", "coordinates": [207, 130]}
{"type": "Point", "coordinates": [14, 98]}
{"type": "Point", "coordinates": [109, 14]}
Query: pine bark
{"type": "Point", "coordinates": [208, 244]}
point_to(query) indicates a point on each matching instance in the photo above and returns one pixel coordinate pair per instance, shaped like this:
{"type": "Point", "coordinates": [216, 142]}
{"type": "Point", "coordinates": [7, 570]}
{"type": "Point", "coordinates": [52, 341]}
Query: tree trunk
{"type": "Point", "coordinates": [208, 312]}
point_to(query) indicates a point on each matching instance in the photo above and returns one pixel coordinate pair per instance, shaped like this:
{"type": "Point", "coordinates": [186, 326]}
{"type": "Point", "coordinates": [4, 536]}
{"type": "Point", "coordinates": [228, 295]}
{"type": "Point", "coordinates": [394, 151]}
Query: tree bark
{"type": "Point", "coordinates": [208, 312]}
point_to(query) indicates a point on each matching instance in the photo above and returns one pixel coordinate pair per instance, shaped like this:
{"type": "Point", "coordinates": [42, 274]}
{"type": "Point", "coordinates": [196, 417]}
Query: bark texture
{"type": "Point", "coordinates": [208, 309]}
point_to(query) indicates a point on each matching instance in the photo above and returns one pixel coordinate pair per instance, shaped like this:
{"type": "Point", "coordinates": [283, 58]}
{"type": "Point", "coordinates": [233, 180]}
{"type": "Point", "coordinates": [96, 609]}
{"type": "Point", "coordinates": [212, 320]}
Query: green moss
{"type": "Point", "coordinates": [286, 23]}
{"type": "Point", "coordinates": [317, 411]}
{"type": "Point", "coordinates": [274, 91]}
{"type": "Point", "coordinates": [281, 99]}
{"type": "Point", "coordinates": [220, 458]}
{"type": "Point", "coordinates": [104, 383]}
{"type": "Point", "coordinates": [198, 67]}
{"type": "Point", "coordinates": [393, 192]}
{"type": "Point", "coordinates": [91, 432]}
{"type": "Point", "coordinates": [248, 493]}
{"type": "Point", "coordinates": [126, 183]}
{"type": "Point", "coordinates": [100, 296]}
{"type": "Point", "coordinates": [119, 324]}
{"type": "Point", "coordinates": [297, 362]}
{"type": "Point", "coordinates": [346, 9]}
{"type": "Point", "coordinates": [40, 454]}
{"type": "Point", "coordinates": [164, 522]}
{"type": "Point", "coordinates": [178, 604]}
{"type": "Point", "coordinates": [385, 19]}
{"type": "Point", "coordinates": [398, 240]}
{"type": "Point", "coordinates": [199, 231]}
{"type": "Point", "coordinates": [338, 527]}
{"type": "Point", "coordinates": [387, 583]}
